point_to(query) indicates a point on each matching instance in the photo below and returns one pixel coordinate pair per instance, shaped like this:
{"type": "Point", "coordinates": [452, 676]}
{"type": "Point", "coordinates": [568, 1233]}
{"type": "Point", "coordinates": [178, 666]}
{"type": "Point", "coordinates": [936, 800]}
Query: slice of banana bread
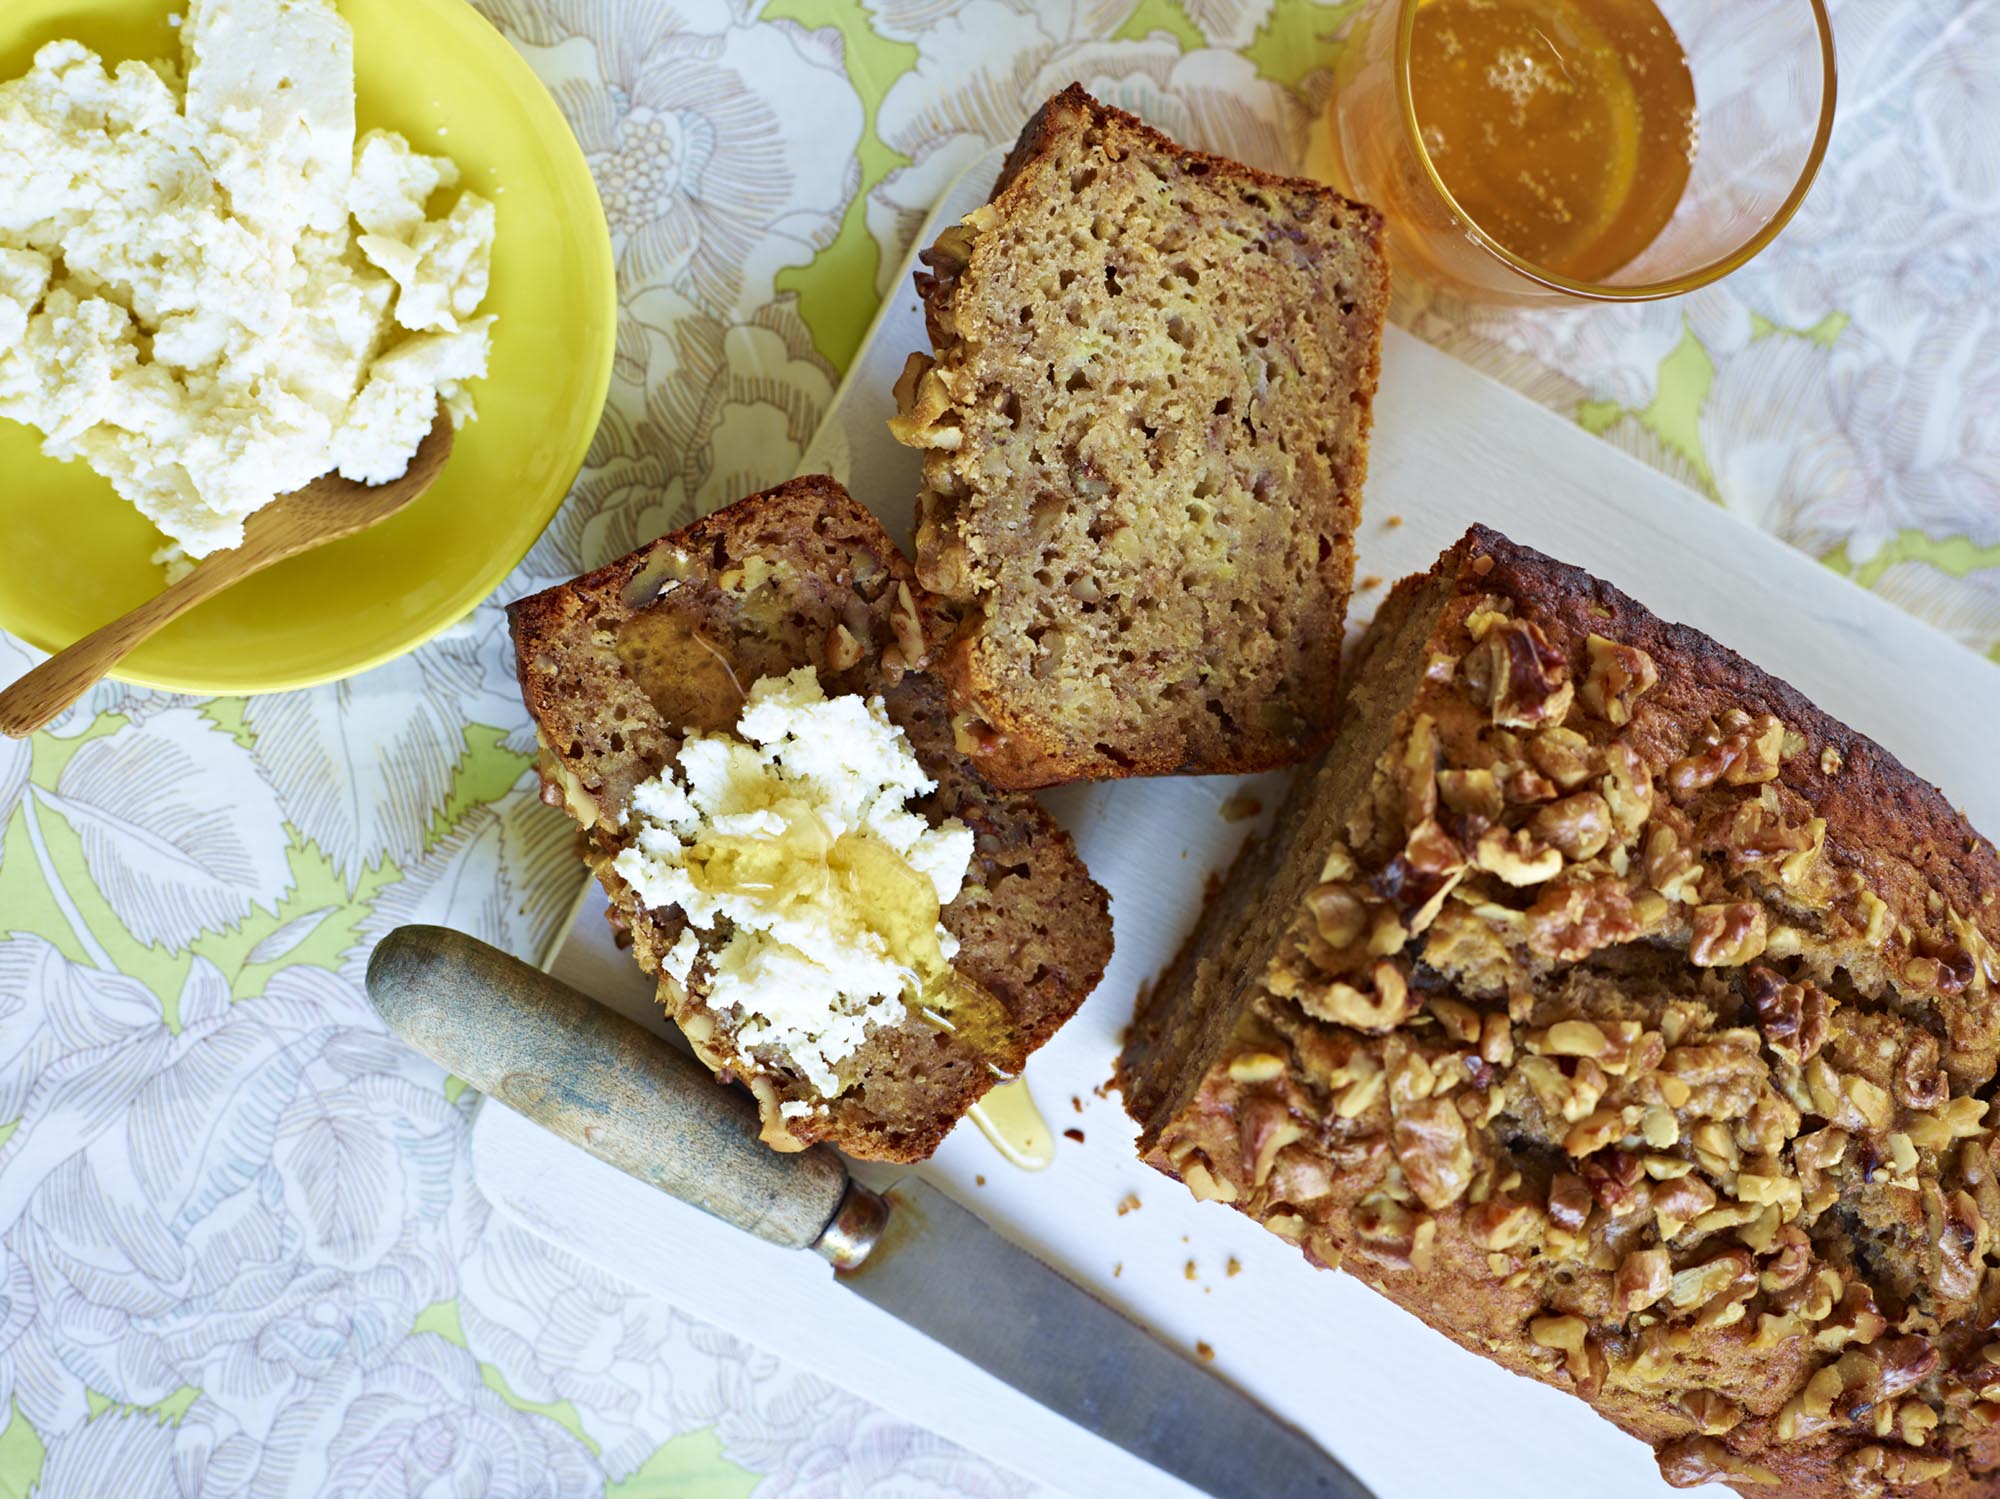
{"type": "Point", "coordinates": [1145, 430]}
{"type": "Point", "coordinates": [621, 663]}
{"type": "Point", "coordinates": [1630, 1021]}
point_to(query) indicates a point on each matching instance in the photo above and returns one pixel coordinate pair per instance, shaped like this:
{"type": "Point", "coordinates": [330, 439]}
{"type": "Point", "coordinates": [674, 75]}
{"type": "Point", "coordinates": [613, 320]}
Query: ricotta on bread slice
{"type": "Point", "coordinates": [624, 667]}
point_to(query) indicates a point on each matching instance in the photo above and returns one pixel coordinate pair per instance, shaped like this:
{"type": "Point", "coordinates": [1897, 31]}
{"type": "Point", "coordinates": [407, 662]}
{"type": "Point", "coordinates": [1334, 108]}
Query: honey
{"type": "Point", "coordinates": [1565, 129]}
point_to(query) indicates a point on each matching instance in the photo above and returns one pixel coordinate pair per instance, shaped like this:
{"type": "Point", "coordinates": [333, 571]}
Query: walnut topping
{"type": "Point", "coordinates": [842, 649]}
{"type": "Point", "coordinates": [1256, 1067]}
{"type": "Point", "coordinates": [1417, 880]}
{"type": "Point", "coordinates": [1869, 1469]}
{"type": "Point", "coordinates": [1570, 1336]}
{"type": "Point", "coordinates": [1501, 1223]}
{"type": "Point", "coordinates": [1960, 1236]}
{"type": "Point", "coordinates": [1727, 935]}
{"type": "Point", "coordinates": [1574, 918]}
{"type": "Point", "coordinates": [1378, 1010]}
{"type": "Point", "coordinates": [1418, 771]}
{"type": "Point", "coordinates": [1396, 1235]}
{"type": "Point", "coordinates": [1527, 679]}
{"type": "Point", "coordinates": [1643, 1278]}
{"type": "Point", "coordinates": [1472, 793]}
{"type": "Point", "coordinates": [1338, 913]}
{"type": "Point", "coordinates": [1432, 1148]}
{"type": "Point", "coordinates": [1920, 1081]}
{"type": "Point", "coordinates": [909, 628]}
{"type": "Point", "coordinates": [1579, 826]}
{"type": "Point", "coordinates": [1712, 1414]}
{"type": "Point", "coordinates": [1628, 789]}
{"type": "Point", "coordinates": [1564, 756]}
{"type": "Point", "coordinates": [1617, 676]}
{"type": "Point", "coordinates": [1679, 1202]}
{"type": "Point", "coordinates": [1737, 749]}
{"type": "Point", "coordinates": [1672, 870]}
{"type": "Point", "coordinates": [1793, 1017]}
{"type": "Point", "coordinates": [1569, 1201]}
{"type": "Point", "coordinates": [1516, 858]}
{"type": "Point", "coordinates": [1693, 1461]}
{"type": "Point", "coordinates": [1265, 1127]}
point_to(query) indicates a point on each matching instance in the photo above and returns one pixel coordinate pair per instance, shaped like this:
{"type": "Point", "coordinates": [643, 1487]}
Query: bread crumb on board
{"type": "Point", "coordinates": [1392, 522]}
{"type": "Point", "coordinates": [1203, 1352]}
{"type": "Point", "coordinates": [1370, 581]}
{"type": "Point", "coordinates": [979, 1181]}
{"type": "Point", "coordinates": [1073, 1134]}
{"type": "Point", "coordinates": [1234, 1268]}
{"type": "Point", "coordinates": [1189, 1270]}
{"type": "Point", "coordinates": [1129, 1203]}
{"type": "Point", "coordinates": [1239, 807]}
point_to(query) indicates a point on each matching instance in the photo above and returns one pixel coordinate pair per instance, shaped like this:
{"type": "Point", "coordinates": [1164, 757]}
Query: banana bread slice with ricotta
{"type": "Point", "coordinates": [1145, 429]}
{"type": "Point", "coordinates": [628, 666]}
{"type": "Point", "coordinates": [1629, 1020]}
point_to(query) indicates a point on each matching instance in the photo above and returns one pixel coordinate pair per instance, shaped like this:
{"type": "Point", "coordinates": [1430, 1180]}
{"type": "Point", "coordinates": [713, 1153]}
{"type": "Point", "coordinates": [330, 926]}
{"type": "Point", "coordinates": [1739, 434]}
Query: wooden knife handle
{"type": "Point", "coordinates": [595, 1078]}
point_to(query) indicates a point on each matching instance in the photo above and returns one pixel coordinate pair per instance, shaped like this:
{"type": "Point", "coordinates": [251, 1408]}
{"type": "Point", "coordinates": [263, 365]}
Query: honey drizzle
{"type": "Point", "coordinates": [1566, 129]}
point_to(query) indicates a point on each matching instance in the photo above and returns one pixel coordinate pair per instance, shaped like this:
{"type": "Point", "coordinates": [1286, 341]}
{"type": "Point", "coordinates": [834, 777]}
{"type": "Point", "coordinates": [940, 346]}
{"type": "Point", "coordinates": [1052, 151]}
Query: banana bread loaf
{"type": "Point", "coordinates": [1629, 1020]}
{"type": "Point", "coordinates": [1145, 430]}
{"type": "Point", "coordinates": [619, 665]}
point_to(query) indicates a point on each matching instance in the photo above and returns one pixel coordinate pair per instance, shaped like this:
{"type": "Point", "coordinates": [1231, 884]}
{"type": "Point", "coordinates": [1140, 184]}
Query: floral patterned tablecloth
{"type": "Point", "coordinates": [240, 1251]}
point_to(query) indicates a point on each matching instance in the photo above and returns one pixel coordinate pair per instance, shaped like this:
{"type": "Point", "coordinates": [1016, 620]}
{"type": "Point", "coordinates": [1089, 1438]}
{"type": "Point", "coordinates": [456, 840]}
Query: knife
{"type": "Point", "coordinates": [611, 1086]}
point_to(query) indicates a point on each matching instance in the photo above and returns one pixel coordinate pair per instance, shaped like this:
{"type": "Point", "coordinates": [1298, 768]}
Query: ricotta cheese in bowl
{"type": "Point", "coordinates": [212, 291]}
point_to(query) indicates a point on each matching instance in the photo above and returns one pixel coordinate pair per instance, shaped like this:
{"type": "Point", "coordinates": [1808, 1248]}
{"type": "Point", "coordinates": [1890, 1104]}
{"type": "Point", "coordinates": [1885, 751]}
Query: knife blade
{"type": "Point", "coordinates": [602, 1082]}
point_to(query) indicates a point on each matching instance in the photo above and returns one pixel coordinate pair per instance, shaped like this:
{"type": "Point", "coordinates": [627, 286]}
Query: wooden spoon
{"type": "Point", "coordinates": [325, 510]}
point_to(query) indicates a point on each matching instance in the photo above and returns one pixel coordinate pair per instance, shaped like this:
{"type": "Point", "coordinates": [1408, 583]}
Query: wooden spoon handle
{"type": "Point", "coordinates": [33, 701]}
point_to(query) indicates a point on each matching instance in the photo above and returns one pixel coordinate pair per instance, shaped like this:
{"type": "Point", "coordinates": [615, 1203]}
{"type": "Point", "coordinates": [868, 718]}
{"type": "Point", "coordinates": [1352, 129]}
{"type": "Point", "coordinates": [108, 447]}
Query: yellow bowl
{"type": "Point", "coordinates": [73, 555]}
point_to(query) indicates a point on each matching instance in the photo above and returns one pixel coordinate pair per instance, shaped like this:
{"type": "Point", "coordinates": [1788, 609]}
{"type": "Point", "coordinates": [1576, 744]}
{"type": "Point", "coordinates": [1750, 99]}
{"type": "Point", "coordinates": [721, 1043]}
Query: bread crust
{"type": "Point", "coordinates": [618, 664]}
{"type": "Point", "coordinates": [1019, 743]}
{"type": "Point", "coordinates": [1715, 1159]}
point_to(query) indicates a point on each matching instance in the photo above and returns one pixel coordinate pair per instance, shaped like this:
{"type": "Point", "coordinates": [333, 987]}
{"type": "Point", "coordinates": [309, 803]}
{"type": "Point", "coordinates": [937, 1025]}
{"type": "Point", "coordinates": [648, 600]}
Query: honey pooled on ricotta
{"type": "Point", "coordinates": [212, 292]}
{"type": "Point", "coordinates": [796, 829]}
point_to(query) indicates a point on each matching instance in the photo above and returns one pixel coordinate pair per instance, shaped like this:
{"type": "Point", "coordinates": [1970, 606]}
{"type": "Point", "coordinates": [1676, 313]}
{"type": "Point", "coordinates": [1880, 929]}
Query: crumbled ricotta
{"type": "Point", "coordinates": [185, 303]}
{"type": "Point", "coordinates": [797, 830]}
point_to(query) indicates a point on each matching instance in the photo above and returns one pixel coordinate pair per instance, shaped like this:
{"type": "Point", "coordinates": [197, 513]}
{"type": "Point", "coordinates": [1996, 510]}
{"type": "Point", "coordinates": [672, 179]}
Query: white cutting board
{"type": "Point", "coordinates": [1412, 1414]}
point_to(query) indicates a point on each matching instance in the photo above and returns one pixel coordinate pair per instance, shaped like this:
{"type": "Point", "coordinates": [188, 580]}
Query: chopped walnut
{"type": "Point", "coordinates": [1579, 826]}
{"type": "Point", "coordinates": [1643, 1278]}
{"type": "Point", "coordinates": [1693, 1461]}
{"type": "Point", "coordinates": [1338, 912]}
{"type": "Point", "coordinates": [1566, 757]}
{"type": "Point", "coordinates": [1793, 1017]}
{"type": "Point", "coordinates": [1528, 680]}
{"type": "Point", "coordinates": [1920, 1080]}
{"type": "Point", "coordinates": [1617, 676]}
{"type": "Point", "coordinates": [1574, 918]}
{"type": "Point", "coordinates": [1672, 870]}
{"type": "Point", "coordinates": [1502, 1223]}
{"type": "Point", "coordinates": [1376, 1011]}
{"type": "Point", "coordinates": [1727, 935]}
{"type": "Point", "coordinates": [1569, 1201]}
{"type": "Point", "coordinates": [1417, 768]}
{"type": "Point", "coordinates": [1712, 1414]}
{"type": "Point", "coordinates": [842, 649]}
{"type": "Point", "coordinates": [1472, 793]}
{"type": "Point", "coordinates": [1516, 858]}
{"type": "Point", "coordinates": [1628, 789]}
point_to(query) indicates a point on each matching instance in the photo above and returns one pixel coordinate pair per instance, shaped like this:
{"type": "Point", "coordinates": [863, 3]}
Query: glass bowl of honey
{"type": "Point", "coordinates": [1609, 150]}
